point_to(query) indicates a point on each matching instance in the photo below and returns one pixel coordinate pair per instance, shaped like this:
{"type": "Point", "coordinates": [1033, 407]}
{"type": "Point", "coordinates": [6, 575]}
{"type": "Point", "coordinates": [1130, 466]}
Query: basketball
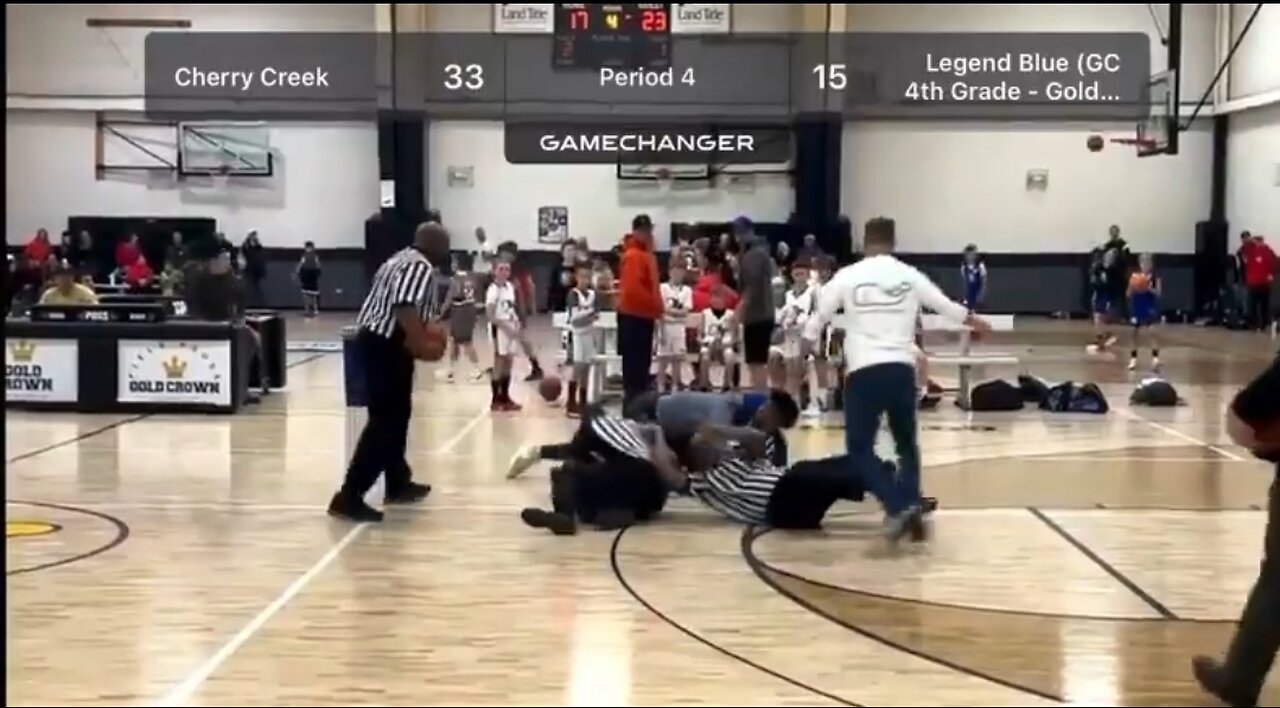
{"type": "Point", "coordinates": [437, 341]}
{"type": "Point", "coordinates": [1095, 143]}
{"type": "Point", "coordinates": [549, 388]}
{"type": "Point", "coordinates": [1139, 281]}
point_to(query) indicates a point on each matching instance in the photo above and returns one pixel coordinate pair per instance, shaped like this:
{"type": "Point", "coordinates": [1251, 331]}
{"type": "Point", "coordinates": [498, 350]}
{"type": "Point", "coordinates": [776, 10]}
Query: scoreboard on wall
{"type": "Point", "coordinates": [624, 36]}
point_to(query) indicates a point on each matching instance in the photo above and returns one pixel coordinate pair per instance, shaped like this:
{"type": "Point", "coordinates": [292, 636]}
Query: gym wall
{"type": "Point", "coordinates": [950, 184]}
{"type": "Point", "coordinates": [1253, 134]}
{"type": "Point", "coordinates": [504, 198]}
{"type": "Point", "coordinates": [61, 74]}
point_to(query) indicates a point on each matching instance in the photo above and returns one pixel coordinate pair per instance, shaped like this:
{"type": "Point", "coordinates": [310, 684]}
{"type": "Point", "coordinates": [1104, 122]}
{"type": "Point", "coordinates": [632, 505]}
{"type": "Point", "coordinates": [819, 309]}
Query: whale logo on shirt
{"type": "Point", "coordinates": [876, 296]}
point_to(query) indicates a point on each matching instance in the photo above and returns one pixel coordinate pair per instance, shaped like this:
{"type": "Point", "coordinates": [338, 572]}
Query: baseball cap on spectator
{"type": "Point", "coordinates": [742, 225]}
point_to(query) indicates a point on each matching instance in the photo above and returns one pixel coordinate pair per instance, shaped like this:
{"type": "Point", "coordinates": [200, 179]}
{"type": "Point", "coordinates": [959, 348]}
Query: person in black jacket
{"type": "Point", "coordinates": [1252, 421]}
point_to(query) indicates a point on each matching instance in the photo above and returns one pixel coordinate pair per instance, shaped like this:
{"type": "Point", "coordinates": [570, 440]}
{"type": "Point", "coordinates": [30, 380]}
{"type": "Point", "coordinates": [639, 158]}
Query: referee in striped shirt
{"type": "Point", "coordinates": [395, 329]}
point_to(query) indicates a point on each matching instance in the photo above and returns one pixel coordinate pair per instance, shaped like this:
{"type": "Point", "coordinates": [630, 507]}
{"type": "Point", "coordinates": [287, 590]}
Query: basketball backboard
{"type": "Point", "coordinates": [1158, 134]}
{"type": "Point", "coordinates": [242, 149]}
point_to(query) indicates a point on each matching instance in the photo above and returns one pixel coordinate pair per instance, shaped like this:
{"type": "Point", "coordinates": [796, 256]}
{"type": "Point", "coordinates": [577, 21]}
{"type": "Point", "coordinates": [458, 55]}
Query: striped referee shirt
{"type": "Point", "coordinates": [406, 278]}
{"type": "Point", "coordinates": [738, 488]}
{"type": "Point", "coordinates": [621, 434]}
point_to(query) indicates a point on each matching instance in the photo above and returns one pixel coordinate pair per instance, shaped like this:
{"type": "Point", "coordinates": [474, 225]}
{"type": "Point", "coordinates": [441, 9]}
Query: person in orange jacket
{"type": "Point", "coordinates": [639, 306]}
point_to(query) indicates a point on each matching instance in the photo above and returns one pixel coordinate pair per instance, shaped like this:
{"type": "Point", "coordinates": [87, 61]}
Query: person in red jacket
{"type": "Point", "coordinates": [139, 274]}
{"type": "Point", "coordinates": [1258, 261]}
{"type": "Point", "coordinates": [127, 252]}
{"type": "Point", "coordinates": [38, 250]}
{"type": "Point", "coordinates": [639, 306]}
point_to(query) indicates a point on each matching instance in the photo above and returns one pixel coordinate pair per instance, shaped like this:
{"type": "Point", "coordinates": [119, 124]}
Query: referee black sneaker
{"type": "Point", "coordinates": [350, 509]}
{"type": "Point", "coordinates": [409, 494]}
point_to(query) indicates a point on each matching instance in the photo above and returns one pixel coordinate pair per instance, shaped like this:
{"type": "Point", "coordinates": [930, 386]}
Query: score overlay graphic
{"type": "Point", "coordinates": [769, 78]}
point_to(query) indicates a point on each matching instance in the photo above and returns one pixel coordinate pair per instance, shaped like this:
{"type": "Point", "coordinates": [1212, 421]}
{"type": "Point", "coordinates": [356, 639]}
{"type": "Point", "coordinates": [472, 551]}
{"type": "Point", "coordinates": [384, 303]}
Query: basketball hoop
{"type": "Point", "coordinates": [664, 177]}
{"type": "Point", "coordinates": [221, 178]}
{"type": "Point", "coordinates": [1144, 146]}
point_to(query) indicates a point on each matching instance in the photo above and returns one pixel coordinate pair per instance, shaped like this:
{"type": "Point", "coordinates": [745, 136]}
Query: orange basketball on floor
{"type": "Point", "coordinates": [549, 388]}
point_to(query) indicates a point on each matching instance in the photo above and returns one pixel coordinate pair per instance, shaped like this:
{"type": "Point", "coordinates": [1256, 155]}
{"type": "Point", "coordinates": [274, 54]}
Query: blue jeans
{"type": "Point", "coordinates": [869, 393]}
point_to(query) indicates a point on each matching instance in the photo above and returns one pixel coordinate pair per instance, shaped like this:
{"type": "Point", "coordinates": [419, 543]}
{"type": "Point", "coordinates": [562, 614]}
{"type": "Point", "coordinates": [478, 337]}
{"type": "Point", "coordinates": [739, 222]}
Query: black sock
{"type": "Point", "coordinates": [533, 362]}
{"type": "Point", "coordinates": [506, 388]}
{"type": "Point", "coordinates": [573, 392]}
{"type": "Point", "coordinates": [1155, 352]}
{"type": "Point", "coordinates": [1133, 353]}
{"type": "Point", "coordinates": [562, 451]}
{"type": "Point", "coordinates": [495, 388]}
{"type": "Point", "coordinates": [582, 396]}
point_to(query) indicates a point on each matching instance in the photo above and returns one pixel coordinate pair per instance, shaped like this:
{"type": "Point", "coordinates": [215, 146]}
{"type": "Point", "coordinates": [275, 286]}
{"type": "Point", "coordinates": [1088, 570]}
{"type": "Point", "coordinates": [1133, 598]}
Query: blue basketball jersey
{"type": "Point", "coordinates": [975, 278]}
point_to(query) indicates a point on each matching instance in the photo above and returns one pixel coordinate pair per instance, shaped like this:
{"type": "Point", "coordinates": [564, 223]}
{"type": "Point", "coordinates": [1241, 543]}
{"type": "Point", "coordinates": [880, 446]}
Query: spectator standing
{"type": "Point", "coordinates": [128, 251]}
{"type": "Point", "coordinates": [255, 265]}
{"type": "Point", "coordinates": [809, 251]}
{"type": "Point", "coordinates": [639, 306]}
{"type": "Point", "coordinates": [175, 254]}
{"type": "Point", "coordinates": [756, 309]}
{"type": "Point", "coordinates": [39, 251]}
{"type": "Point", "coordinates": [1259, 268]}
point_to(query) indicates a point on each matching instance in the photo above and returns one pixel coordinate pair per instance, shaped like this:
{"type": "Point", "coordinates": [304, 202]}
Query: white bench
{"type": "Point", "coordinates": [965, 359]}
{"type": "Point", "coordinates": [608, 357]}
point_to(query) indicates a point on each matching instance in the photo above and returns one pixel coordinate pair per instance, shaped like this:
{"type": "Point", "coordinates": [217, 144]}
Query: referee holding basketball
{"type": "Point", "coordinates": [395, 329]}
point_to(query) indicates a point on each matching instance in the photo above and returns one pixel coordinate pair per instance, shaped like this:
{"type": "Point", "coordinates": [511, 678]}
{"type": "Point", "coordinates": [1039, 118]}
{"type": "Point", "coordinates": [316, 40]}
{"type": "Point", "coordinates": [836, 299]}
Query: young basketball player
{"type": "Point", "coordinates": [797, 304]}
{"type": "Point", "coordinates": [974, 274]}
{"type": "Point", "coordinates": [1144, 310]}
{"type": "Point", "coordinates": [580, 304]}
{"type": "Point", "coordinates": [524, 289]}
{"type": "Point", "coordinates": [719, 340]}
{"type": "Point", "coordinates": [308, 275]}
{"type": "Point", "coordinates": [462, 321]}
{"type": "Point", "coordinates": [820, 354]}
{"type": "Point", "coordinates": [677, 298]}
{"type": "Point", "coordinates": [502, 307]}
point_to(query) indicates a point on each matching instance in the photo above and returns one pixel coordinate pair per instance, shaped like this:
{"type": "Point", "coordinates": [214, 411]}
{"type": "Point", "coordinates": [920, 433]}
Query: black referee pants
{"type": "Point", "coordinates": [809, 488]}
{"type": "Point", "coordinates": [389, 381]}
{"type": "Point", "coordinates": [597, 476]}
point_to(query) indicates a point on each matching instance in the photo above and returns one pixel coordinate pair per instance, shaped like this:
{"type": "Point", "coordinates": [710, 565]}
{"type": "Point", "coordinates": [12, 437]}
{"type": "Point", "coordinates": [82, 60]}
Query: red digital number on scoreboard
{"type": "Point", "coordinates": [653, 21]}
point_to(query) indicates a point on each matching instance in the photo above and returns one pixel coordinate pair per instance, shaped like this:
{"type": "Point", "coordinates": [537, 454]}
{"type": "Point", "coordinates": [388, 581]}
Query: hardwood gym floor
{"type": "Point", "coordinates": [168, 560]}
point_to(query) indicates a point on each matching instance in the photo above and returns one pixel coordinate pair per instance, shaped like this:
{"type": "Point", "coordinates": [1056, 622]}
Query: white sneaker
{"type": "Point", "coordinates": [1133, 364]}
{"type": "Point", "coordinates": [811, 416]}
{"type": "Point", "coordinates": [524, 458]}
{"type": "Point", "coordinates": [1155, 365]}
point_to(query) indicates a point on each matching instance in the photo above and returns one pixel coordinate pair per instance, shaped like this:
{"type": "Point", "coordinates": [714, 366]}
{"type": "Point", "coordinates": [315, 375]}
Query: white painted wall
{"type": "Point", "coordinates": [1253, 172]}
{"type": "Point", "coordinates": [326, 183]}
{"type": "Point", "coordinates": [1255, 68]}
{"type": "Point", "coordinates": [325, 186]}
{"type": "Point", "coordinates": [50, 51]}
{"type": "Point", "coordinates": [505, 198]}
{"type": "Point", "coordinates": [949, 185]}
{"type": "Point", "coordinates": [1198, 27]}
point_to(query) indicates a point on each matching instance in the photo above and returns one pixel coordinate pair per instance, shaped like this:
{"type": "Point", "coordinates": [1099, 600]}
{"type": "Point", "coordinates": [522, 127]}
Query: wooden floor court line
{"type": "Point", "coordinates": [122, 535]}
{"type": "Point", "coordinates": [1101, 562]}
{"type": "Point", "coordinates": [749, 536]}
{"type": "Point", "coordinates": [180, 694]}
{"type": "Point", "coordinates": [1130, 414]}
{"type": "Point", "coordinates": [616, 566]}
{"type": "Point", "coordinates": [123, 422]}
{"type": "Point", "coordinates": [183, 692]}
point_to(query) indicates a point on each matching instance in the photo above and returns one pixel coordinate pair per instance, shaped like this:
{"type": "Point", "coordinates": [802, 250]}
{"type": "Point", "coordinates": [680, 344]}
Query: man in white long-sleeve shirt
{"type": "Point", "coordinates": [881, 297]}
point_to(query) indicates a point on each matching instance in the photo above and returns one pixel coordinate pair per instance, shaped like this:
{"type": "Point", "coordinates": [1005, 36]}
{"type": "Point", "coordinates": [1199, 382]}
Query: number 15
{"type": "Point", "coordinates": [830, 76]}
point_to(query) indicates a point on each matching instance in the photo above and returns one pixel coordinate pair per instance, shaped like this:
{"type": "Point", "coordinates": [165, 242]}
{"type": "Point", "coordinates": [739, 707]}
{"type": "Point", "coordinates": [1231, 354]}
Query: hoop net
{"type": "Point", "coordinates": [221, 178]}
{"type": "Point", "coordinates": [664, 178]}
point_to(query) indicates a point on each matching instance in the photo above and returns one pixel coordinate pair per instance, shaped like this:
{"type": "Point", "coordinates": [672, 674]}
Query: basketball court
{"type": "Point", "coordinates": [157, 560]}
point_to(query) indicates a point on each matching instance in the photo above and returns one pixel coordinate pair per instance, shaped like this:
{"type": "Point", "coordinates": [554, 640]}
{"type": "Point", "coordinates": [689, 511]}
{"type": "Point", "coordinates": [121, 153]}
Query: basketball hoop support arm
{"type": "Point", "coordinates": [1222, 69]}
